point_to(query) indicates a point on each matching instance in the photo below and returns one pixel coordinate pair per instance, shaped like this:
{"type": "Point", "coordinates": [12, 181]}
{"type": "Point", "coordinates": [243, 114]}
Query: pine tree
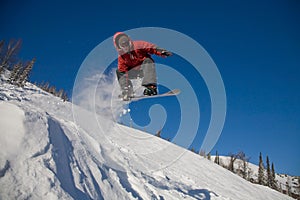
{"type": "Point", "coordinates": [14, 75]}
{"type": "Point", "coordinates": [52, 90]}
{"type": "Point", "coordinates": [158, 134]}
{"type": "Point", "coordinates": [202, 153]}
{"type": "Point", "coordinates": [261, 170]}
{"type": "Point", "coordinates": [46, 86]}
{"type": "Point", "coordinates": [1, 55]}
{"type": "Point", "coordinates": [25, 74]}
{"type": "Point", "coordinates": [193, 150]}
{"type": "Point", "coordinates": [65, 96]}
{"type": "Point", "coordinates": [217, 158]}
{"type": "Point", "coordinates": [60, 93]}
{"type": "Point", "coordinates": [1, 47]}
{"type": "Point", "coordinates": [298, 187]}
{"type": "Point", "coordinates": [273, 180]}
{"type": "Point", "coordinates": [269, 176]}
{"type": "Point", "coordinates": [209, 156]}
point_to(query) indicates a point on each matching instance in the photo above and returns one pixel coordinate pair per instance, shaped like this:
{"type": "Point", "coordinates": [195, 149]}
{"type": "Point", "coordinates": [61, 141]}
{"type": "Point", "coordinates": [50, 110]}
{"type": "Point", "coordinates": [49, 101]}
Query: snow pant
{"type": "Point", "coordinates": [147, 72]}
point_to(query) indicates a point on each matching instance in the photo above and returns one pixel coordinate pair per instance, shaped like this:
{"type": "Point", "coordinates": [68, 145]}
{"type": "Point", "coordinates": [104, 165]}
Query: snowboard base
{"type": "Point", "coordinates": [166, 94]}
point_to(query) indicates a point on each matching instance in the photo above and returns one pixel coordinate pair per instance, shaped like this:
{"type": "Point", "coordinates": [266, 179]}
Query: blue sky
{"type": "Point", "coordinates": [255, 44]}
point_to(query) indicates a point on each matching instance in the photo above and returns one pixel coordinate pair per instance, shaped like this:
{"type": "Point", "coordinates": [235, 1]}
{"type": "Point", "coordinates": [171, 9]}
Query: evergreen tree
{"type": "Point", "coordinates": [298, 177]}
{"type": "Point", "coordinates": [273, 180]}
{"type": "Point", "coordinates": [14, 75]}
{"type": "Point", "coordinates": [158, 134]}
{"type": "Point", "coordinates": [25, 74]}
{"type": "Point", "coordinates": [217, 158]}
{"type": "Point", "coordinates": [269, 176]}
{"type": "Point", "coordinates": [209, 156]}
{"type": "Point", "coordinates": [60, 93]}
{"type": "Point", "coordinates": [1, 55]}
{"type": "Point", "coordinates": [202, 153]}
{"type": "Point", "coordinates": [261, 170]}
{"type": "Point", "coordinates": [52, 90]}
{"type": "Point", "coordinates": [65, 96]}
{"type": "Point", "coordinates": [193, 150]}
{"type": "Point", "coordinates": [46, 86]}
{"type": "Point", "coordinates": [1, 47]}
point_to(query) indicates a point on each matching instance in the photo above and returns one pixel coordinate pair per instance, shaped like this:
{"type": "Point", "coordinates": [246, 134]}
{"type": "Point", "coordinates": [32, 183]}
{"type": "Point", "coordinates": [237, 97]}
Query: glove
{"type": "Point", "coordinates": [166, 53]}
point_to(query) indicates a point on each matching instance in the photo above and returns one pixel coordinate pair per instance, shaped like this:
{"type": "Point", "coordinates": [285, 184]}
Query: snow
{"type": "Point", "coordinates": [252, 169]}
{"type": "Point", "coordinates": [46, 154]}
{"type": "Point", "coordinates": [11, 131]}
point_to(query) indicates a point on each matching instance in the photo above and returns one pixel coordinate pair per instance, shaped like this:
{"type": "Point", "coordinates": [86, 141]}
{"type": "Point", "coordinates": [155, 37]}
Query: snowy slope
{"type": "Point", "coordinates": [252, 170]}
{"type": "Point", "coordinates": [46, 155]}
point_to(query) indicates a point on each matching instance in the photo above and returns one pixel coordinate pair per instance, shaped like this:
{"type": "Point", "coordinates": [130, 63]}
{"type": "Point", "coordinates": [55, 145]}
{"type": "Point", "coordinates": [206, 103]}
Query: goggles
{"type": "Point", "coordinates": [124, 43]}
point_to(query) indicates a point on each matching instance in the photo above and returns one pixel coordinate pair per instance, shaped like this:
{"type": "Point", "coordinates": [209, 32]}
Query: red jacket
{"type": "Point", "coordinates": [140, 50]}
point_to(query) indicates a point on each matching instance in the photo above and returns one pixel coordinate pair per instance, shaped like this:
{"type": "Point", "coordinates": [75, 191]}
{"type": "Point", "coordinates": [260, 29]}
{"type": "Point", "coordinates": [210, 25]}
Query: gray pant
{"type": "Point", "coordinates": [147, 72]}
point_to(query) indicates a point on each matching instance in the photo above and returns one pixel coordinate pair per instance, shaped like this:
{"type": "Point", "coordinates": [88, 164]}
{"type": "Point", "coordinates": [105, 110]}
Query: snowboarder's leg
{"type": "Point", "coordinates": [125, 84]}
{"type": "Point", "coordinates": [149, 71]}
{"type": "Point", "coordinates": [150, 80]}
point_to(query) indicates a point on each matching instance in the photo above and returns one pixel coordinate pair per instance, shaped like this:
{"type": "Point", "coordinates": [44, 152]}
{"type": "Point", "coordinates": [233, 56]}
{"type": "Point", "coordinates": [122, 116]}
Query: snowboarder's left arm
{"type": "Point", "coordinates": [153, 49]}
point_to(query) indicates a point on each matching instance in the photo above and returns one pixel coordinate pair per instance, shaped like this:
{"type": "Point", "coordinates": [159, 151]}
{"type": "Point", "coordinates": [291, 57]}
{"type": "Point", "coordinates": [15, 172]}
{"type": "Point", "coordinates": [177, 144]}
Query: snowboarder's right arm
{"type": "Point", "coordinates": [122, 67]}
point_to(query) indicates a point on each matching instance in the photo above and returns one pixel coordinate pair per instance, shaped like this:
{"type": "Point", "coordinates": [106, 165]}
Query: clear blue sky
{"type": "Point", "coordinates": [255, 44]}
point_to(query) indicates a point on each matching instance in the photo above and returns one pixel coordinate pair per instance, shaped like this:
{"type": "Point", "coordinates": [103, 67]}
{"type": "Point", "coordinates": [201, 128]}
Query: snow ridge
{"type": "Point", "coordinates": [49, 156]}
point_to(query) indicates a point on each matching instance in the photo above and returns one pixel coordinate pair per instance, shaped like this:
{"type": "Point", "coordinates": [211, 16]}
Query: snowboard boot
{"type": "Point", "coordinates": [150, 90]}
{"type": "Point", "coordinates": [127, 93]}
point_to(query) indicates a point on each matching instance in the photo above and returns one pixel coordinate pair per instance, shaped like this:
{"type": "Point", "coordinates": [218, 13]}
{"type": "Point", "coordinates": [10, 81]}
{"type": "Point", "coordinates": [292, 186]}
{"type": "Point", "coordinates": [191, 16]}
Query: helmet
{"type": "Point", "coordinates": [121, 40]}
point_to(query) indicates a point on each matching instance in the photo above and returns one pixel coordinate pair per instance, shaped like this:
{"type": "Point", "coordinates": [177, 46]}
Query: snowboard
{"type": "Point", "coordinates": [173, 92]}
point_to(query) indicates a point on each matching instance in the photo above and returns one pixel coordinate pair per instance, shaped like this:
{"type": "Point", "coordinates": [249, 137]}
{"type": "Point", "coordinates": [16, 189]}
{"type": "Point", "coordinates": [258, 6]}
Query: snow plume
{"type": "Point", "coordinates": [98, 94]}
{"type": "Point", "coordinates": [95, 88]}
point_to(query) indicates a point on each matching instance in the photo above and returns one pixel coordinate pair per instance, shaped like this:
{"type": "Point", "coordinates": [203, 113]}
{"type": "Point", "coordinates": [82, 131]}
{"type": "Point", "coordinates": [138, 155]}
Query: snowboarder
{"type": "Point", "coordinates": [135, 61]}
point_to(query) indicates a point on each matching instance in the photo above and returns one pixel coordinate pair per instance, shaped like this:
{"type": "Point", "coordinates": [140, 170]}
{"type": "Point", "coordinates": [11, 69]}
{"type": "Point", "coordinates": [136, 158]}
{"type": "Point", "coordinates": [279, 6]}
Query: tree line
{"type": "Point", "coordinates": [19, 71]}
{"type": "Point", "coordinates": [265, 175]}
